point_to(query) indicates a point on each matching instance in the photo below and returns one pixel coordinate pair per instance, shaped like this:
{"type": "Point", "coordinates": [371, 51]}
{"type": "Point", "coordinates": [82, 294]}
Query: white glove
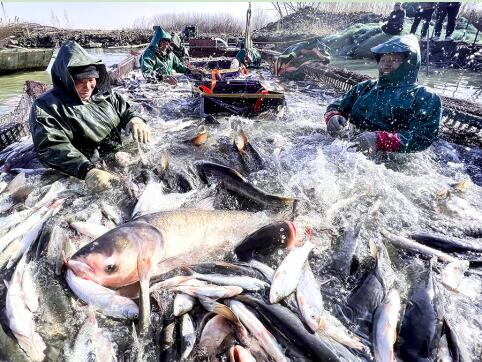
{"type": "Point", "coordinates": [335, 125]}
{"type": "Point", "coordinates": [140, 131]}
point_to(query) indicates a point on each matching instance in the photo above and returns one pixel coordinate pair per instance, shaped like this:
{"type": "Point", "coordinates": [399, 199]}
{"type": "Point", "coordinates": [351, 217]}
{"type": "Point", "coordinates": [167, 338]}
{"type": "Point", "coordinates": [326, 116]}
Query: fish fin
{"type": "Point", "coordinates": [219, 309]}
{"type": "Point", "coordinates": [7, 284]}
{"type": "Point", "coordinates": [144, 271]}
{"type": "Point", "coordinates": [206, 203]}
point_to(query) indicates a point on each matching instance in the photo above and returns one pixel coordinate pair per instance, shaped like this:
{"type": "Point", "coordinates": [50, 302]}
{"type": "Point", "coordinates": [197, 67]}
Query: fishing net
{"type": "Point", "coordinates": [14, 124]}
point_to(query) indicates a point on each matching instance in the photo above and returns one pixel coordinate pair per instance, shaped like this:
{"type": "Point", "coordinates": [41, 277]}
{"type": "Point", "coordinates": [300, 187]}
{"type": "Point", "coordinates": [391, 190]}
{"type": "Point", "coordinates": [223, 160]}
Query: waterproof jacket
{"type": "Point", "coordinates": [155, 64]}
{"type": "Point", "coordinates": [65, 130]}
{"type": "Point", "coordinates": [407, 114]}
{"type": "Point", "coordinates": [254, 56]}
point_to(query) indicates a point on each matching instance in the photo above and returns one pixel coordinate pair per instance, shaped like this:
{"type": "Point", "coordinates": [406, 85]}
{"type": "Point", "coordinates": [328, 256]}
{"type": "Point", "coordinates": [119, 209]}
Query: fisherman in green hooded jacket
{"type": "Point", "coordinates": [249, 57]}
{"type": "Point", "coordinates": [394, 113]}
{"type": "Point", "coordinates": [79, 115]}
{"type": "Point", "coordinates": [159, 62]}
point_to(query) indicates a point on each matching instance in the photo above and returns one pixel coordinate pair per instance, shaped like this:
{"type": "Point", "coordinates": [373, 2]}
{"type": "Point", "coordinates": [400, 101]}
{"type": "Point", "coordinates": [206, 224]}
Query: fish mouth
{"type": "Point", "coordinates": [292, 234]}
{"type": "Point", "coordinates": [81, 269]}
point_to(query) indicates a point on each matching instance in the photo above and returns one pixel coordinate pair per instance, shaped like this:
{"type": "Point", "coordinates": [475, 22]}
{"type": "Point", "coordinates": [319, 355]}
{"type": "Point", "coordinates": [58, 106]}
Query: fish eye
{"type": "Point", "coordinates": [110, 268]}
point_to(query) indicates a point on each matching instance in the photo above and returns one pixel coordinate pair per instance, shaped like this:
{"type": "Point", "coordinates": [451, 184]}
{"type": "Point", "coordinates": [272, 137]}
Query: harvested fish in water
{"type": "Point", "coordinates": [149, 200]}
{"type": "Point", "coordinates": [367, 296]}
{"type": "Point", "coordinates": [105, 300]}
{"type": "Point", "coordinates": [266, 270]}
{"type": "Point", "coordinates": [165, 238]}
{"type": "Point", "coordinates": [196, 137]}
{"type": "Point", "coordinates": [245, 282]}
{"type": "Point", "coordinates": [210, 291]}
{"type": "Point", "coordinates": [169, 350]}
{"type": "Point", "coordinates": [257, 329]}
{"type": "Point", "coordinates": [344, 259]}
{"type": "Point", "coordinates": [217, 308]}
{"type": "Point", "coordinates": [248, 155]}
{"type": "Point", "coordinates": [233, 181]}
{"type": "Point", "coordinates": [183, 303]}
{"type": "Point", "coordinates": [413, 246]}
{"type": "Point", "coordinates": [309, 299]}
{"type": "Point", "coordinates": [266, 239]}
{"type": "Point", "coordinates": [421, 325]}
{"type": "Point", "coordinates": [216, 330]}
{"type": "Point", "coordinates": [188, 336]}
{"type": "Point", "coordinates": [92, 342]}
{"type": "Point", "coordinates": [315, 347]}
{"type": "Point", "coordinates": [89, 229]}
{"type": "Point", "coordinates": [385, 322]}
{"type": "Point", "coordinates": [111, 213]}
{"type": "Point", "coordinates": [171, 282]}
{"type": "Point", "coordinates": [456, 344]}
{"type": "Point", "coordinates": [21, 303]}
{"type": "Point", "coordinates": [442, 242]}
{"type": "Point", "coordinates": [289, 272]}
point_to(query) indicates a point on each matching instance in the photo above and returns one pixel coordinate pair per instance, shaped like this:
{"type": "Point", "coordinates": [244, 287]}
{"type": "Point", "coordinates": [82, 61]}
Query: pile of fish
{"type": "Point", "coordinates": [239, 240]}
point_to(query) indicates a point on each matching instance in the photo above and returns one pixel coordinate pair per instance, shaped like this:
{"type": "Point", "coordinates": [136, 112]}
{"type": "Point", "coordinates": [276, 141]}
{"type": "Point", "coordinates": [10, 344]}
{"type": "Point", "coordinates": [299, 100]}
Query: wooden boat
{"type": "Point", "coordinates": [20, 59]}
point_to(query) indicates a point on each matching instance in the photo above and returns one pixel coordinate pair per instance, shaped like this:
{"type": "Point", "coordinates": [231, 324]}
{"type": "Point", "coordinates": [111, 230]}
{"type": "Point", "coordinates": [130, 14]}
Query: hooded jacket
{"type": "Point", "coordinates": [253, 55]}
{"type": "Point", "coordinates": [65, 130]}
{"type": "Point", "coordinates": [404, 114]}
{"type": "Point", "coordinates": [154, 64]}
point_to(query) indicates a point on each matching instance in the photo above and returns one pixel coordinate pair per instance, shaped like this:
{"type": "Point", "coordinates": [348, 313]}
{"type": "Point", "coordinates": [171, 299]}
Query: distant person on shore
{"type": "Point", "coordinates": [396, 19]}
{"type": "Point", "coordinates": [79, 115]}
{"type": "Point", "coordinates": [449, 10]}
{"type": "Point", "coordinates": [393, 113]}
{"type": "Point", "coordinates": [158, 63]}
{"type": "Point", "coordinates": [423, 11]}
{"type": "Point", "coordinates": [288, 64]}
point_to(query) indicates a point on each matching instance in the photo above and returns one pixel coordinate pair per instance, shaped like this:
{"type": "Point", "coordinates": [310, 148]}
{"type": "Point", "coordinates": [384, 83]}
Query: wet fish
{"type": "Point", "coordinates": [240, 354]}
{"type": "Point", "coordinates": [233, 181]}
{"type": "Point", "coordinates": [171, 282]}
{"type": "Point", "coordinates": [149, 200]}
{"type": "Point", "coordinates": [448, 244]}
{"type": "Point", "coordinates": [183, 303]}
{"type": "Point", "coordinates": [10, 350]}
{"type": "Point", "coordinates": [21, 302]}
{"type": "Point", "coordinates": [266, 239]}
{"type": "Point", "coordinates": [217, 308]}
{"type": "Point", "coordinates": [384, 332]}
{"type": "Point", "coordinates": [89, 229]}
{"type": "Point", "coordinates": [209, 291]}
{"type": "Point", "coordinates": [456, 344]}
{"type": "Point", "coordinates": [421, 326]}
{"type": "Point", "coordinates": [188, 336]}
{"type": "Point", "coordinates": [310, 301]}
{"type": "Point", "coordinates": [281, 318]}
{"type": "Point", "coordinates": [92, 343]}
{"type": "Point", "coordinates": [344, 260]}
{"type": "Point", "coordinates": [245, 282]}
{"type": "Point", "coordinates": [288, 274]}
{"type": "Point", "coordinates": [256, 328]}
{"type": "Point", "coordinates": [266, 270]}
{"type": "Point", "coordinates": [169, 352]}
{"type": "Point", "coordinates": [367, 296]}
{"type": "Point", "coordinates": [405, 243]}
{"type": "Point", "coordinates": [473, 231]}
{"type": "Point", "coordinates": [248, 155]}
{"type": "Point", "coordinates": [111, 213]}
{"type": "Point", "coordinates": [103, 299]}
{"type": "Point", "coordinates": [197, 137]}
{"type": "Point", "coordinates": [170, 239]}
{"type": "Point", "coordinates": [216, 330]}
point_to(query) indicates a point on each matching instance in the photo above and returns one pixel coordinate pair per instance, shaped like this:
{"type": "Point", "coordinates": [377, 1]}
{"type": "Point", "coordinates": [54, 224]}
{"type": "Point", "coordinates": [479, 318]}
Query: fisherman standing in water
{"type": "Point", "coordinates": [394, 112]}
{"type": "Point", "coordinates": [159, 62]}
{"type": "Point", "coordinates": [79, 115]}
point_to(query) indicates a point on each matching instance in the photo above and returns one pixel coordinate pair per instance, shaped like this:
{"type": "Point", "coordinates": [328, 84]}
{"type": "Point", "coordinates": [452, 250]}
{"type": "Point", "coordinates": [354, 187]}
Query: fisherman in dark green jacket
{"type": "Point", "coordinates": [394, 112]}
{"type": "Point", "coordinates": [249, 57]}
{"type": "Point", "coordinates": [79, 115]}
{"type": "Point", "coordinates": [159, 62]}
